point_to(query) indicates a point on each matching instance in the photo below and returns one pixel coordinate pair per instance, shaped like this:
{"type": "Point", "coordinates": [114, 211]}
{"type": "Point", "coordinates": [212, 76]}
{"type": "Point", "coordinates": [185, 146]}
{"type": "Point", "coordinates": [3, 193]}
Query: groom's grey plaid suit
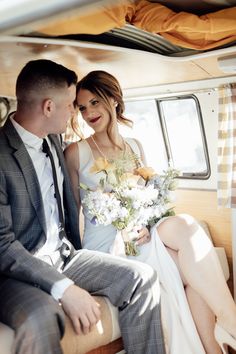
{"type": "Point", "coordinates": [26, 282]}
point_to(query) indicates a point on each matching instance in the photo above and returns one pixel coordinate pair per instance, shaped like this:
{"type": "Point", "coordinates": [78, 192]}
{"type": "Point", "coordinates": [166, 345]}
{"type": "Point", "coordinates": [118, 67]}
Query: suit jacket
{"type": "Point", "coordinates": [22, 219]}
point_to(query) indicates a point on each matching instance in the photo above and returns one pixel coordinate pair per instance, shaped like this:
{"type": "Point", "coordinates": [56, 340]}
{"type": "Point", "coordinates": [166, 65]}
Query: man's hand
{"type": "Point", "coordinates": [143, 236]}
{"type": "Point", "coordinates": [81, 307]}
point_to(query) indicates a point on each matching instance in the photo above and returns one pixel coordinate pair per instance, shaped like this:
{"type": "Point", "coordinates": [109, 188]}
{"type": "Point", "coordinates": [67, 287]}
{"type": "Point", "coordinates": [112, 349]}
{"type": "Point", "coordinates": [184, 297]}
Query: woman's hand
{"type": "Point", "coordinates": [143, 236]}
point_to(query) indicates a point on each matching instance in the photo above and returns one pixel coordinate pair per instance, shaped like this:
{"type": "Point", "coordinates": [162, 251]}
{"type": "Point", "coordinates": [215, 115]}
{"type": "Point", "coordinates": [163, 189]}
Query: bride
{"type": "Point", "coordinates": [198, 310]}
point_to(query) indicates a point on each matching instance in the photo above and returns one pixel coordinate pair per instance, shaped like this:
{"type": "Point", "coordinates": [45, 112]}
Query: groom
{"type": "Point", "coordinates": [42, 269]}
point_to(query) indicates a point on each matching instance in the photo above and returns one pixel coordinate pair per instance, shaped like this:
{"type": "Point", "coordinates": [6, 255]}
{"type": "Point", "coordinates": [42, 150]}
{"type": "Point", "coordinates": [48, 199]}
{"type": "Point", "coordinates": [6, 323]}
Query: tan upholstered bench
{"type": "Point", "coordinates": [219, 250]}
{"type": "Point", "coordinates": [105, 337]}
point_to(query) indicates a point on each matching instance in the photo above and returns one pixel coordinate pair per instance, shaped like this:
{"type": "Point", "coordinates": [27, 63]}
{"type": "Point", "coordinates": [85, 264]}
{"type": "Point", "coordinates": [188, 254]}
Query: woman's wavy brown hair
{"type": "Point", "coordinates": [104, 86]}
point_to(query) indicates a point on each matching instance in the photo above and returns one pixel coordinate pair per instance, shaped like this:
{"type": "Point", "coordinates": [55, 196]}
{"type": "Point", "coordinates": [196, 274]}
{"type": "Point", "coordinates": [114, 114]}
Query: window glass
{"type": "Point", "coordinates": [147, 130]}
{"type": "Point", "coordinates": [184, 135]}
{"type": "Point", "coordinates": [171, 132]}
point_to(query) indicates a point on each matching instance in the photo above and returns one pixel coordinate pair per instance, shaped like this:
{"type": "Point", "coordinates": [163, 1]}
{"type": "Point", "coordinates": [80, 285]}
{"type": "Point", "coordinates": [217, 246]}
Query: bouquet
{"type": "Point", "coordinates": [129, 200]}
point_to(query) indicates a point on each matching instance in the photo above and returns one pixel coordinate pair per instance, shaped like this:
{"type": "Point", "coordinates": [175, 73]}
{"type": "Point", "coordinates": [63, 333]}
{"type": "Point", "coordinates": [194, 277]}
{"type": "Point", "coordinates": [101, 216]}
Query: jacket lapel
{"type": "Point", "coordinates": [55, 140]}
{"type": "Point", "coordinates": [70, 208]}
{"type": "Point", "coordinates": [28, 171]}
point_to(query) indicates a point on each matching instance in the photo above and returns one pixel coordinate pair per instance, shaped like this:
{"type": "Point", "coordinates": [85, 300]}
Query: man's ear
{"type": "Point", "coordinates": [48, 107]}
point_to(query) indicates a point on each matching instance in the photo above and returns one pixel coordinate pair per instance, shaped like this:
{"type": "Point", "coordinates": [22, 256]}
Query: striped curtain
{"type": "Point", "coordinates": [226, 187]}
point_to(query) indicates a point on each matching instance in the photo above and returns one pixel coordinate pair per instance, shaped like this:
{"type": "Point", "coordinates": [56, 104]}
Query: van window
{"type": "Point", "coordinates": [172, 134]}
{"type": "Point", "coordinates": [147, 130]}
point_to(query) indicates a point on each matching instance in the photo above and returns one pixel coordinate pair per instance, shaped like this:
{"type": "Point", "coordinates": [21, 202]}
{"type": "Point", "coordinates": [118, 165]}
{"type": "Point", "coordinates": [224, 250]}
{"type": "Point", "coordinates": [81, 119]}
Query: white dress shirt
{"type": "Point", "coordinates": [49, 251]}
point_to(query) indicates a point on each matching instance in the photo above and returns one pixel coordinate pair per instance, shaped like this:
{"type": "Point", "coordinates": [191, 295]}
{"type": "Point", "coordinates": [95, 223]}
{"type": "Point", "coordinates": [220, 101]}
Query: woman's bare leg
{"type": "Point", "coordinates": [204, 320]}
{"type": "Point", "coordinates": [202, 315]}
{"type": "Point", "coordinates": [200, 266]}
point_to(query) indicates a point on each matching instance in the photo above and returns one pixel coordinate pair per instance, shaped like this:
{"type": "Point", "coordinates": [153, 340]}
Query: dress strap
{"type": "Point", "coordinates": [84, 153]}
{"type": "Point", "coordinates": [134, 146]}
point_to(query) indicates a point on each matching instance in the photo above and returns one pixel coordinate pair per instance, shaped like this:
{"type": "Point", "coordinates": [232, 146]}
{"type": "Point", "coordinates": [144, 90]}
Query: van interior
{"type": "Point", "coordinates": [176, 63]}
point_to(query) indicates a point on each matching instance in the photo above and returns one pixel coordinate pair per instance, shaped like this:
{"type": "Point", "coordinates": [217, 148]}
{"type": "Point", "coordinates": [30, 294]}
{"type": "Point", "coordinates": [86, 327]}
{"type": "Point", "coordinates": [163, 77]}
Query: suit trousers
{"type": "Point", "coordinates": [132, 286]}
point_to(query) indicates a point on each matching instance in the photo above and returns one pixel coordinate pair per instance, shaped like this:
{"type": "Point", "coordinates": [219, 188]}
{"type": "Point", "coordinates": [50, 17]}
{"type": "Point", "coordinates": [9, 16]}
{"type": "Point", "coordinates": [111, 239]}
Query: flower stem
{"type": "Point", "coordinates": [131, 248]}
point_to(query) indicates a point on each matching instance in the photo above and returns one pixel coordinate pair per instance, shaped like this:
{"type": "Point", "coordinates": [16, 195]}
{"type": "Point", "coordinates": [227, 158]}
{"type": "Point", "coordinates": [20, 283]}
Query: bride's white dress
{"type": "Point", "coordinates": [179, 328]}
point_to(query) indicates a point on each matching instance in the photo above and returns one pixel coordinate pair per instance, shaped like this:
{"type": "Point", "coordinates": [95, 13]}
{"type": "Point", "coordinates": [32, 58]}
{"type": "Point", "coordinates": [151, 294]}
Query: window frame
{"type": "Point", "coordinates": [185, 175]}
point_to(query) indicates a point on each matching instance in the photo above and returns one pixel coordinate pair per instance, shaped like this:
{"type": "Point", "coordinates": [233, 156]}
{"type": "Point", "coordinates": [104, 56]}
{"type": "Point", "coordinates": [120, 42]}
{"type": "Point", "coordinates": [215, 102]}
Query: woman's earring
{"type": "Point", "coordinates": [116, 104]}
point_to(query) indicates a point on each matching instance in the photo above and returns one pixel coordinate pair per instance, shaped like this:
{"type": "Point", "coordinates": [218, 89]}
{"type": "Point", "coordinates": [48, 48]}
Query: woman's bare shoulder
{"type": "Point", "coordinates": [71, 154]}
{"type": "Point", "coordinates": [71, 148]}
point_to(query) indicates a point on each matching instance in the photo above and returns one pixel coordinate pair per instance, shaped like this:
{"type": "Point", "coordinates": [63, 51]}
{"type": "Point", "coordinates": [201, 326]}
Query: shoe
{"type": "Point", "coordinates": [224, 339]}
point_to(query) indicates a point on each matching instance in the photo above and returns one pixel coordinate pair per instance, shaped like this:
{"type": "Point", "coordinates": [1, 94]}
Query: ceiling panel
{"type": "Point", "coordinates": [133, 68]}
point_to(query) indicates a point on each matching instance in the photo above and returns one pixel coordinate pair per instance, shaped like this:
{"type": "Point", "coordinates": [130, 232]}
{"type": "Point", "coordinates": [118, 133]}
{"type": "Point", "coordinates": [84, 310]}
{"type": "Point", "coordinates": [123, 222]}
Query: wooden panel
{"type": "Point", "coordinates": [125, 64]}
{"type": "Point", "coordinates": [210, 65]}
{"type": "Point", "coordinates": [111, 348]}
{"type": "Point", "coordinates": [203, 205]}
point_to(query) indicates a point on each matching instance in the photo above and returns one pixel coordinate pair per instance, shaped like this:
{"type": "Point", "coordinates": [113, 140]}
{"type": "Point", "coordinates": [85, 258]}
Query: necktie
{"type": "Point", "coordinates": [65, 249]}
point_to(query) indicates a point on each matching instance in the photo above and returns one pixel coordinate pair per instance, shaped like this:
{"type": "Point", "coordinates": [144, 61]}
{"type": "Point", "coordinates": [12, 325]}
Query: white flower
{"type": "Point", "coordinates": [128, 205]}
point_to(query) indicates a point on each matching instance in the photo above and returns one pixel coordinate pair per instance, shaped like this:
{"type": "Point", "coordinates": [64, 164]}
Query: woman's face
{"type": "Point", "coordinates": [93, 110]}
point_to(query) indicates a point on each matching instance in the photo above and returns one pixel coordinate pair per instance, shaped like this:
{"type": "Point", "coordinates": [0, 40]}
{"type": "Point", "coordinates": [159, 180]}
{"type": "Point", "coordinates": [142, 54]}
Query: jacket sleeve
{"type": "Point", "coordinates": [15, 260]}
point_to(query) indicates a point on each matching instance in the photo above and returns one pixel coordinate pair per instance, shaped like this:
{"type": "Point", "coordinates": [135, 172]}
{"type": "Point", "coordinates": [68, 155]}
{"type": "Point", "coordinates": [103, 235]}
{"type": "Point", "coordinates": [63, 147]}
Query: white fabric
{"type": "Point", "coordinates": [59, 287]}
{"type": "Point", "coordinates": [180, 330]}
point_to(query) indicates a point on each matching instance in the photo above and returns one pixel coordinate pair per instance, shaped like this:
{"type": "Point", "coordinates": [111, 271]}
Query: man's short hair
{"type": "Point", "coordinates": [38, 76]}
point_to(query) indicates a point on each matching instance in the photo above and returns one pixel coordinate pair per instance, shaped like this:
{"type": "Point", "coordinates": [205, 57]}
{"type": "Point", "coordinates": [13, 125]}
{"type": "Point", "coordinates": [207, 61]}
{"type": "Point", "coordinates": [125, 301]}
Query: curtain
{"type": "Point", "coordinates": [226, 189]}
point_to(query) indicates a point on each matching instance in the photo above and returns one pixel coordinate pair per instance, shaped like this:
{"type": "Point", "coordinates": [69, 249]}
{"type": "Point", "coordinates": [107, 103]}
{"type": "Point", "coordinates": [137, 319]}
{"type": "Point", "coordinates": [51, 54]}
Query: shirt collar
{"type": "Point", "coordinates": [29, 139]}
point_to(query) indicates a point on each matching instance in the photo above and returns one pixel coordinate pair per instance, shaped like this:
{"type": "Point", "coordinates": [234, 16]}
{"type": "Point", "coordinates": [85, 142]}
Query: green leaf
{"type": "Point", "coordinates": [83, 186]}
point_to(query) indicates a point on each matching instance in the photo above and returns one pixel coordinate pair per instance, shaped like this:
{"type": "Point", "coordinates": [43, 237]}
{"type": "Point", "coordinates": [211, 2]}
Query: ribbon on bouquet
{"type": "Point", "coordinates": [124, 243]}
